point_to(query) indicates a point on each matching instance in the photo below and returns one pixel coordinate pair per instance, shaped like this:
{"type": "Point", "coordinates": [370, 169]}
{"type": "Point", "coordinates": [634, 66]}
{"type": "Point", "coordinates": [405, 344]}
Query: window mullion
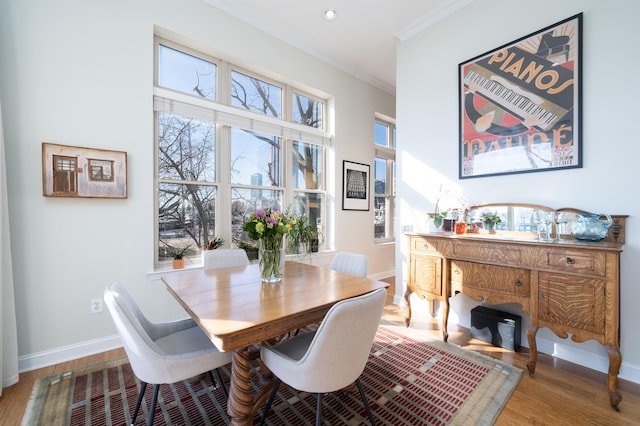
{"type": "Point", "coordinates": [223, 165]}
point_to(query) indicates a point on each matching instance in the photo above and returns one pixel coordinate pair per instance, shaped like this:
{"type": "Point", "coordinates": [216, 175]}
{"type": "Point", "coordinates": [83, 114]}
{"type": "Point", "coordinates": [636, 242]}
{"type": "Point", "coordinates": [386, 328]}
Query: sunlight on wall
{"type": "Point", "coordinates": [424, 187]}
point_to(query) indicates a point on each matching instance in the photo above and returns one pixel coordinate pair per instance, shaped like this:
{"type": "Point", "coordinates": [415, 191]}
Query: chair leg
{"type": "Point", "coordinates": [274, 391]}
{"type": "Point", "coordinates": [143, 388]}
{"type": "Point", "coordinates": [318, 408]}
{"type": "Point", "coordinates": [224, 388]}
{"type": "Point", "coordinates": [152, 410]}
{"type": "Point", "coordinates": [213, 380]}
{"type": "Point", "coordinates": [364, 401]}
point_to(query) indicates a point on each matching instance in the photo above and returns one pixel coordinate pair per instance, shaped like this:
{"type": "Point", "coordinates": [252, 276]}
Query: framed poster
{"type": "Point", "coordinates": [520, 104]}
{"type": "Point", "coordinates": [355, 186]}
{"type": "Point", "coordinates": [72, 171]}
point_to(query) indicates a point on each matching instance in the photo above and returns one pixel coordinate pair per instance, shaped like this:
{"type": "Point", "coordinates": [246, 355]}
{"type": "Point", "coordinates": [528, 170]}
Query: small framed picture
{"type": "Point", "coordinates": [355, 186]}
{"type": "Point", "coordinates": [72, 171]}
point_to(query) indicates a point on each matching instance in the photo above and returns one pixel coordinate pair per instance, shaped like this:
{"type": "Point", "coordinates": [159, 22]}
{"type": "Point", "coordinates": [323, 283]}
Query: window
{"type": "Point", "coordinates": [385, 178]}
{"type": "Point", "coordinates": [307, 111]}
{"type": "Point", "coordinates": [186, 73]}
{"type": "Point", "coordinates": [227, 146]}
{"type": "Point", "coordinates": [254, 94]}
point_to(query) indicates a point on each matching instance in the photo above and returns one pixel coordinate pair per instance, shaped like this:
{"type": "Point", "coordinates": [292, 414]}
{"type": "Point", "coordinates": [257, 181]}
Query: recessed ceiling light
{"type": "Point", "coordinates": [330, 14]}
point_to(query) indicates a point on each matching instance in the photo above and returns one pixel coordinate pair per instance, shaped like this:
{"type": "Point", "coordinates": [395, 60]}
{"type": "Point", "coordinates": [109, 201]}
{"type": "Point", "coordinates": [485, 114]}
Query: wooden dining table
{"type": "Point", "coordinates": [238, 311]}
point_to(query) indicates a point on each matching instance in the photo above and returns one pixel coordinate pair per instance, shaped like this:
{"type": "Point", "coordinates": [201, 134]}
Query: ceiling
{"type": "Point", "coordinates": [361, 40]}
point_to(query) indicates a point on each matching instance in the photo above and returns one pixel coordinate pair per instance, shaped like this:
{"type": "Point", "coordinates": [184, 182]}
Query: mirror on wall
{"type": "Point", "coordinates": [521, 218]}
{"type": "Point", "coordinates": [544, 223]}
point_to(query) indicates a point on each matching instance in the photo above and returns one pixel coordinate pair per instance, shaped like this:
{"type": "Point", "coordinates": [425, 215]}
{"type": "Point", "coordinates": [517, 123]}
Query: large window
{"type": "Point", "coordinates": [228, 142]}
{"type": "Point", "coordinates": [385, 178]}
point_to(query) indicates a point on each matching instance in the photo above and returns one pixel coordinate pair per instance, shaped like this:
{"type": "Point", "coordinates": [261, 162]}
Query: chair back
{"type": "Point", "coordinates": [136, 333]}
{"type": "Point", "coordinates": [350, 263]}
{"type": "Point", "coordinates": [340, 348]}
{"type": "Point", "coordinates": [225, 258]}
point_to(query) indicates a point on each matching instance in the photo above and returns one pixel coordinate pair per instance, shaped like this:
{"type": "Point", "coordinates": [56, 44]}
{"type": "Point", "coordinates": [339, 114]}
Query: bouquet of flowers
{"type": "Point", "coordinates": [269, 228]}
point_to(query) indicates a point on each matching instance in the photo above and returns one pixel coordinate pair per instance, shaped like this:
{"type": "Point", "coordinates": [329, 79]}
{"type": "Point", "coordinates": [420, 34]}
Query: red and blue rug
{"type": "Point", "coordinates": [410, 379]}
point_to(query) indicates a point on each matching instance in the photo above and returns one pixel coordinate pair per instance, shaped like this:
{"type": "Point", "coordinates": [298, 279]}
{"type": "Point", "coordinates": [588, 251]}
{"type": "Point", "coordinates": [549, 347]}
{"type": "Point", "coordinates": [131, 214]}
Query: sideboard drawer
{"type": "Point", "coordinates": [489, 253]}
{"type": "Point", "coordinates": [489, 277]}
{"type": "Point", "coordinates": [578, 262]}
{"type": "Point", "coordinates": [423, 246]}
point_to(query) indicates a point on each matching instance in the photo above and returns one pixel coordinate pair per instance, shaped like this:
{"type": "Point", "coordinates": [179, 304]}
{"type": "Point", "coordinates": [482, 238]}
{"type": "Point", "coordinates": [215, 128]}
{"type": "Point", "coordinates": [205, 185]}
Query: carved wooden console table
{"type": "Point", "coordinates": [571, 287]}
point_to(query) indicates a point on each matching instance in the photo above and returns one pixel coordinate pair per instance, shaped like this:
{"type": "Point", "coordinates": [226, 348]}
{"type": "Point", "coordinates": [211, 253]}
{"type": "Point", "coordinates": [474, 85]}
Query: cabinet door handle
{"type": "Point", "coordinates": [570, 261]}
{"type": "Point", "coordinates": [518, 283]}
{"type": "Point", "coordinates": [425, 246]}
{"type": "Point", "coordinates": [456, 271]}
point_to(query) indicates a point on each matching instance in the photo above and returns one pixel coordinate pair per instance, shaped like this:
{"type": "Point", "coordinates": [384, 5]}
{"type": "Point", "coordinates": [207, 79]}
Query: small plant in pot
{"type": "Point", "coordinates": [177, 253]}
{"type": "Point", "coordinates": [301, 235]}
{"type": "Point", "coordinates": [213, 244]}
{"type": "Point", "coordinates": [250, 247]}
{"type": "Point", "coordinates": [490, 220]}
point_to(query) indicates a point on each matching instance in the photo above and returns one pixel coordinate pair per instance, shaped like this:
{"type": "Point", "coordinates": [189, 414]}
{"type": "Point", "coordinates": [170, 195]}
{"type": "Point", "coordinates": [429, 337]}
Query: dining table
{"type": "Point", "coordinates": [239, 312]}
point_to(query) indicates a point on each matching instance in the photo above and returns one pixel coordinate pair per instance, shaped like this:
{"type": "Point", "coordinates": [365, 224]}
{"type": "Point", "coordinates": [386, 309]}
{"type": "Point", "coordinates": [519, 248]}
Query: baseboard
{"type": "Point", "coordinates": [67, 353]}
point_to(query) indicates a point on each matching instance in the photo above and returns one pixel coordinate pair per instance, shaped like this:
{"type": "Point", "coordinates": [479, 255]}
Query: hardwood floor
{"type": "Point", "coordinates": [561, 393]}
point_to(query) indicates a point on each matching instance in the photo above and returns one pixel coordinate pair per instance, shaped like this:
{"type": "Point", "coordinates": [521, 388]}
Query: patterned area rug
{"type": "Point", "coordinates": [410, 379]}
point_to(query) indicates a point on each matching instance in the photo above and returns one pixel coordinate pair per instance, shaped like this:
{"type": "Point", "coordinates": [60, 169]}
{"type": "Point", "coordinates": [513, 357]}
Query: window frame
{"type": "Point", "coordinates": [224, 117]}
{"type": "Point", "coordinates": [388, 154]}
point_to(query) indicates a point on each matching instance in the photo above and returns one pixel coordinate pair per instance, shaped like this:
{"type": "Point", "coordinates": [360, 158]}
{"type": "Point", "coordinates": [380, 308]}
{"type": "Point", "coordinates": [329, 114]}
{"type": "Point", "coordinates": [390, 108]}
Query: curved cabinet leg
{"type": "Point", "coordinates": [533, 348]}
{"type": "Point", "coordinates": [615, 359]}
{"type": "Point", "coordinates": [445, 320]}
{"type": "Point", "coordinates": [407, 320]}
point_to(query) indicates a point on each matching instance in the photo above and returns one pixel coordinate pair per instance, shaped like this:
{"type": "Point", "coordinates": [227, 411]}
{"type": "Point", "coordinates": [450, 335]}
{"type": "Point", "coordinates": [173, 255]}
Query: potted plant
{"type": "Point", "coordinates": [437, 216]}
{"type": "Point", "coordinates": [301, 235]}
{"type": "Point", "coordinates": [177, 253]}
{"type": "Point", "coordinates": [250, 247]}
{"type": "Point", "coordinates": [213, 244]}
{"type": "Point", "coordinates": [489, 220]}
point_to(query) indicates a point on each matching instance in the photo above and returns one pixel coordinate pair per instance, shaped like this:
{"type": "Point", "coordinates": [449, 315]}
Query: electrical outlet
{"type": "Point", "coordinates": [95, 306]}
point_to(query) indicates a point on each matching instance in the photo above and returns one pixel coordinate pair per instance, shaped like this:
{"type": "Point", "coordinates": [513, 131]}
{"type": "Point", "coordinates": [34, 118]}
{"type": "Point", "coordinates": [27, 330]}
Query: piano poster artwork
{"type": "Point", "coordinates": [520, 104]}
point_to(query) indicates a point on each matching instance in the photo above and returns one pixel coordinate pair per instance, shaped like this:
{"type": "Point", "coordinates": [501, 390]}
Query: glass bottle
{"type": "Point", "coordinates": [461, 224]}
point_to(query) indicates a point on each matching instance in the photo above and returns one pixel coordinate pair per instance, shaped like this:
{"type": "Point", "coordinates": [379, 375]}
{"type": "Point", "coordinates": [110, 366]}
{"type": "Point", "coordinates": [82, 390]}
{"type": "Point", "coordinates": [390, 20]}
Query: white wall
{"type": "Point", "coordinates": [427, 119]}
{"type": "Point", "coordinates": [80, 72]}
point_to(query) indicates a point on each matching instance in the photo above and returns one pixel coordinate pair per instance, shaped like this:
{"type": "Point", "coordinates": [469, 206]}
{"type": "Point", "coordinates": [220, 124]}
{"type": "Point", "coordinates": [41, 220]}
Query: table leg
{"type": "Point", "coordinates": [241, 402]}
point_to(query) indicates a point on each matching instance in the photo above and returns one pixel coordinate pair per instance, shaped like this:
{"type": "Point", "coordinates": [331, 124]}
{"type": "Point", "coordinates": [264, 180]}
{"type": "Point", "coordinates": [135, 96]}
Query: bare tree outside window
{"type": "Point", "coordinates": [186, 153]}
{"type": "Point", "coordinates": [188, 188]}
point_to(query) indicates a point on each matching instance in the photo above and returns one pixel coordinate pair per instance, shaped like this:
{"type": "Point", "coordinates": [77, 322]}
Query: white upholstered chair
{"type": "Point", "coordinates": [225, 258]}
{"type": "Point", "coordinates": [161, 352]}
{"type": "Point", "coordinates": [332, 357]}
{"type": "Point", "coordinates": [350, 263]}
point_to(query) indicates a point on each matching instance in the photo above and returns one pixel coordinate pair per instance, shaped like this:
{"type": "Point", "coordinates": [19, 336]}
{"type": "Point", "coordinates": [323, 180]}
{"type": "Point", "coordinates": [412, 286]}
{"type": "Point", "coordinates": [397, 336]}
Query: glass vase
{"type": "Point", "coordinates": [271, 259]}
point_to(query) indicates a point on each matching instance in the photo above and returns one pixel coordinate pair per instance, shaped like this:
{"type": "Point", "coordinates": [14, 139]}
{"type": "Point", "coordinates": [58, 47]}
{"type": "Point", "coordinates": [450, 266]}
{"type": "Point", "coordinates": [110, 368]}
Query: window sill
{"type": "Point", "coordinates": [157, 274]}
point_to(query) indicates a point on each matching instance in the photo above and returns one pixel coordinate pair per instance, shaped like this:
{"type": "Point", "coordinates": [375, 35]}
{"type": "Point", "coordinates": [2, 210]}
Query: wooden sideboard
{"type": "Point", "coordinates": [571, 287]}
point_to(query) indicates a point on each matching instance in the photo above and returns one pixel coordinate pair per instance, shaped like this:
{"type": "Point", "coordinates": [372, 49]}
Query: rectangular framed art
{"type": "Point", "coordinates": [72, 171]}
{"type": "Point", "coordinates": [521, 104]}
{"type": "Point", "coordinates": [355, 186]}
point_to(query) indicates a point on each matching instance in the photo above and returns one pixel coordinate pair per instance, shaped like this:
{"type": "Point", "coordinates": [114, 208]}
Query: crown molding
{"type": "Point", "coordinates": [426, 21]}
